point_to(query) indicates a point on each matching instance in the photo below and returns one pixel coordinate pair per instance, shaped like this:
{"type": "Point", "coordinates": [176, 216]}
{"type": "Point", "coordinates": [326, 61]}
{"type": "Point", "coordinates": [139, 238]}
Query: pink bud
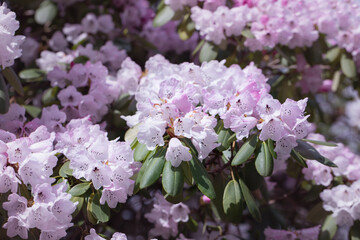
{"type": "Point", "coordinates": [326, 86]}
{"type": "Point", "coordinates": [205, 200]}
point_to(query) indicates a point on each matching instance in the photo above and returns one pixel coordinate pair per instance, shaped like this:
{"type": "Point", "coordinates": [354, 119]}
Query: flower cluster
{"type": "Point", "coordinates": [115, 236]}
{"type": "Point", "coordinates": [348, 164]}
{"type": "Point", "coordinates": [28, 160]}
{"type": "Point", "coordinates": [90, 24]}
{"type": "Point", "coordinates": [50, 211]}
{"type": "Point", "coordinates": [10, 43]}
{"type": "Point", "coordinates": [343, 201]}
{"type": "Point", "coordinates": [102, 90]}
{"type": "Point", "coordinates": [108, 164]}
{"type": "Point", "coordinates": [187, 98]}
{"type": "Point", "coordinates": [302, 234]}
{"type": "Point", "coordinates": [166, 217]}
{"type": "Point", "coordinates": [291, 23]}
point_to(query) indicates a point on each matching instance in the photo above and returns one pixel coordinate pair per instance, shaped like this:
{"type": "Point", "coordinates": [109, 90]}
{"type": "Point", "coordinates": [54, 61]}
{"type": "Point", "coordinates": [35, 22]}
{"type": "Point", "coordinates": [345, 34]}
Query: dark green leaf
{"type": "Point", "coordinates": [172, 179]}
{"type": "Point", "coordinates": [348, 66]}
{"type": "Point", "coordinates": [32, 75]}
{"type": "Point", "coordinates": [246, 150]}
{"type": "Point", "coordinates": [81, 59]}
{"type": "Point", "coordinates": [14, 80]}
{"type": "Point", "coordinates": [309, 152]}
{"type": "Point", "coordinates": [251, 177]}
{"type": "Point", "coordinates": [4, 96]}
{"type": "Point", "coordinates": [65, 170]}
{"type": "Point", "coordinates": [79, 189]}
{"type": "Point", "coordinates": [201, 178]}
{"type": "Point", "coordinates": [163, 16]}
{"type": "Point", "coordinates": [174, 199]}
{"type": "Point", "coordinates": [317, 213]}
{"type": "Point", "coordinates": [80, 201]}
{"type": "Point", "coordinates": [187, 173]}
{"type": "Point", "coordinates": [192, 224]}
{"type": "Point", "coordinates": [233, 201]}
{"type": "Point", "coordinates": [32, 110]}
{"type": "Point", "coordinates": [320, 143]}
{"type": "Point", "coordinates": [355, 231]}
{"type": "Point", "coordinates": [208, 52]}
{"type": "Point", "coordinates": [99, 211]}
{"type": "Point", "coordinates": [264, 162]}
{"type": "Point", "coordinates": [153, 169]}
{"type": "Point", "coordinates": [140, 152]}
{"type": "Point", "coordinates": [46, 12]}
{"type": "Point", "coordinates": [298, 158]}
{"type": "Point", "coordinates": [328, 229]}
{"type": "Point", "coordinates": [313, 54]}
{"type": "Point", "coordinates": [250, 202]}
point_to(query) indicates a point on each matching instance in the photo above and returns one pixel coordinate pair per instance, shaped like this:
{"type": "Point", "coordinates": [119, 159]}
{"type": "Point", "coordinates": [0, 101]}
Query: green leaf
{"type": "Point", "coordinates": [250, 202]}
{"type": "Point", "coordinates": [355, 231]}
{"type": "Point", "coordinates": [224, 138]}
{"type": "Point", "coordinates": [247, 33]}
{"type": "Point", "coordinates": [80, 201]}
{"type": "Point", "coordinates": [14, 80]}
{"type": "Point", "coordinates": [163, 16]}
{"type": "Point", "coordinates": [99, 211]}
{"type": "Point", "coordinates": [153, 169]}
{"type": "Point", "coordinates": [270, 144]}
{"type": "Point", "coordinates": [313, 54]}
{"type": "Point", "coordinates": [246, 150]}
{"type": "Point", "coordinates": [172, 179]}
{"type": "Point", "coordinates": [198, 47]}
{"type": "Point", "coordinates": [131, 133]}
{"type": "Point", "coordinates": [49, 96]}
{"type": "Point", "coordinates": [251, 177]}
{"type": "Point", "coordinates": [192, 224]}
{"type": "Point", "coordinates": [233, 201]}
{"type": "Point", "coordinates": [81, 59]}
{"type": "Point", "coordinates": [309, 152]}
{"type": "Point", "coordinates": [186, 28]}
{"type": "Point", "coordinates": [336, 81]}
{"type": "Point", "coordinates": [298, 158]}
{"type": "Point", "coordinates": [264, 162]}
{"type": "Point", "coordinates": [187, 173]}
{"type": "Point", "coordinates": [320, 143]}
{"type": "Point", "coordinates": [46, 12]}
{"type": "Point", "coordinates": [328, 229]}
{"type": "Point", "coordinates": [32, 75]}
{"type": "Point", "coordinates": [208, 52]}
{"type": "Point", "coordinates": [201, 178]}
{"type": "Point", "coordinates": [79, 189]}
{"type": "Point", "coordinates": [348, 66]}
{"type": "Point", "coordinates": [140, 152]}
{"type": "Point", "coordinates": [90, 215]}
{"type": "Point", "coordinates": [65, 170]}
{"type": "Point", "coordinates": [333, 54]}
{"type": "Point", "coordinates": [32, 110]}
{"type": "Point", "coordinates": [4, 96]}
{"type": "Point", "coordinates": [123, 101]}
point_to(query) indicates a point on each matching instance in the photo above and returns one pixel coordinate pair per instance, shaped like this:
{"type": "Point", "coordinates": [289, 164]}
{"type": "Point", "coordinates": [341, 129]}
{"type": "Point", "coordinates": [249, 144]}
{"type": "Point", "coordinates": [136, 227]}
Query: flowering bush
{"type": "Point", "coordinates": [185, 119]}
